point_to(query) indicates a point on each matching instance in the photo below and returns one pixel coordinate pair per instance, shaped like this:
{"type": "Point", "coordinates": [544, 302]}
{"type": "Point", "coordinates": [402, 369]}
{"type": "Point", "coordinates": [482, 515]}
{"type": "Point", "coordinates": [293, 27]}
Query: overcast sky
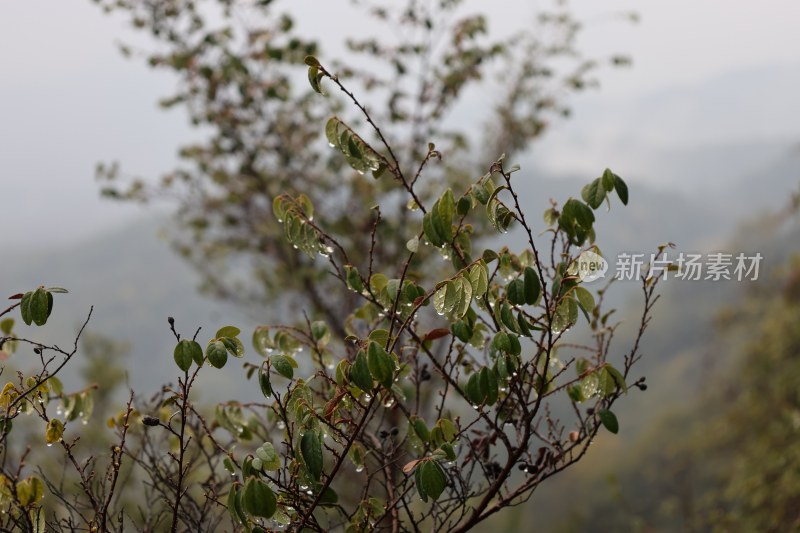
{"type": "Point", "coordinates": [69, 100]}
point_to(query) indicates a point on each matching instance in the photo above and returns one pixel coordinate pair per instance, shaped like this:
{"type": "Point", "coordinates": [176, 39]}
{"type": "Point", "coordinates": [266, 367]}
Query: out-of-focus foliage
{"type": "Point", "coordinates": [238, 65]}
{"type": "Point", "coordinates": [728, 461]}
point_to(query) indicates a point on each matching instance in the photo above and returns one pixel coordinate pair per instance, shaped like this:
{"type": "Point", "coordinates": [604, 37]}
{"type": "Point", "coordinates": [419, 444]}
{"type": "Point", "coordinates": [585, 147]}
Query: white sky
{"type": "Point", "coordinates": [69, 100]}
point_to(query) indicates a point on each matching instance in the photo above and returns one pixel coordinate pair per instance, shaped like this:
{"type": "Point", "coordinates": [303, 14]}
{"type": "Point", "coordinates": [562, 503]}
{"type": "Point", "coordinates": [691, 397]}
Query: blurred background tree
{"type": "Point", "coordinates": [727, 460]}
{"type": "Point", "coordinates": [238, 65]}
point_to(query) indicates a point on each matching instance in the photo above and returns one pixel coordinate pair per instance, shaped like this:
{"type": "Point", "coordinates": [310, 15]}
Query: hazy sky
{"type": "Point", "coordinates": [69, 100]}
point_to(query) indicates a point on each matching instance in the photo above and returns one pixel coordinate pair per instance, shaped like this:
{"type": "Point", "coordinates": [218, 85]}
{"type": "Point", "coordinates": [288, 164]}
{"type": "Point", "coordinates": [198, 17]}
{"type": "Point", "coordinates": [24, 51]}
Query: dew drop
{"type": "Point", "coordinates": [359, 468]}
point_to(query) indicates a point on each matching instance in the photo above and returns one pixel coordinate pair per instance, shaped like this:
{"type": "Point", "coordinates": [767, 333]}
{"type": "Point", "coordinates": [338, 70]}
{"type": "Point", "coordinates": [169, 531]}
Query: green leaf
{"type": "Point", "coordinates": [461, 330]}
{"type": "Point", "coordinates": [583, 215]}
{"type": "Point", "coordinates": [342, 371]}
{"type": "Point", "coordinates": [507, 317]}
{"type": "Point", "coordinates": [515, 292]}
{"type": "Point", "coordinates": [446, 209]}
{"type": "Point", "coordinates": [282, 365]}
{"type": "Point", "coordinates": [359, 373]}
{"type": "Point", "coordinates": [353, 150]}
{"type": "Point", "coordinates": [235, 505]}
{"type": "Point", "coordinates": [54, 431]}
{"type": "Point", "coordinates": [609, 420]}
{"type": "Point", "coordinates": [216, 353]}
{"type": "Point", "coordinates": [473, 390]}
{"type": "Point", "coordinates": [25, 308]}
{"type": "Point", "coordinates": [430, 230]}
{"type": "Point", "coordinates": [187, 351]}
{"type": "Point", "coordinates": [502, 342]}
{"type": "Point", "coordinates": [329, 497]}
{"type": "Point", "coordinates": [488, 256]}
{"type": "Point", "coordinates": [357, 454]}
{"type": "Point", "coordinates": [38, 521]}
{"type": "Point", "coordinates": [463, 205]}
{"type": "Point", "coordinates": [55, 385]}
{"type": "Point", "coordinates": [264, 382]}
{"type": "Point", "coordinates": [314, 78]}
{"type": "Point", "coordinates": [533, 286]}
{"type": "Point", "coordinates": [575, 393]}
{"type": "Point", "coordinates": [234, 346]}
{"type": "Point", "coordinates": [381, 364]}
{"type": "Point", "coordinates": [449, 451]}
{"type": "Point", "coordinates": [421, 429]}
{"type": "Point", "coordinates": [622, 189]}
{"type": "Point", "coordinates": [354, 281]}
{"type": "Point", "coordinates": [550, 216]}
{"type": "Point", "coordinates": [270, 460]}
{"type": "Point", "coordinates": [377, 282]}
{"type": "Point", "coordinates": [311, 61]}
{"type": "Point", "coordinates": [332, 133]}
{"type": "Point", "coordinates": [227, 331]}
{"type": "Point", "coordinates": [594, 193]}
{"type": "Point", "coordinates": [430, 479]}
{"type": "Point", "coordinates": [585, 299]}
{"type": "Point", "coordinates": [617, 376]}
{"type": "Point", "coordinates": [576, 220]}
{"type": "Point", "coordinates": [30, 491]}
{"type": "Point", "coordinates": [440, 298]}
{"type": "Point", "coordinates": [524, 327]}
{"type": "Point", "coordinates": [261, 341]}
{"type": "Point", "coordinates": [320, 332]}
{"type": "Point", "coordinates": [258, 499]}
{"type": "Point", "coordinates": [464, 297]}
{"type": "Point", "coordinates": [379, 335]}
{"type": "Point", "coordinates": [565, 316]}
{"type": "Point", "coordinates": [449, 429]}
{"type": "Point", "coordinates": [608, 178]}
{"type": "Point", "coordinates": [40, 305]}
{"type": "Point", "coordinates": [6, 325]}
{"type": "Point", "coordinates": [488, 385]}
{"type": "Point", "coordinates": [311, 450]}
{"type": "Point", "coordinates": [479, 279]}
